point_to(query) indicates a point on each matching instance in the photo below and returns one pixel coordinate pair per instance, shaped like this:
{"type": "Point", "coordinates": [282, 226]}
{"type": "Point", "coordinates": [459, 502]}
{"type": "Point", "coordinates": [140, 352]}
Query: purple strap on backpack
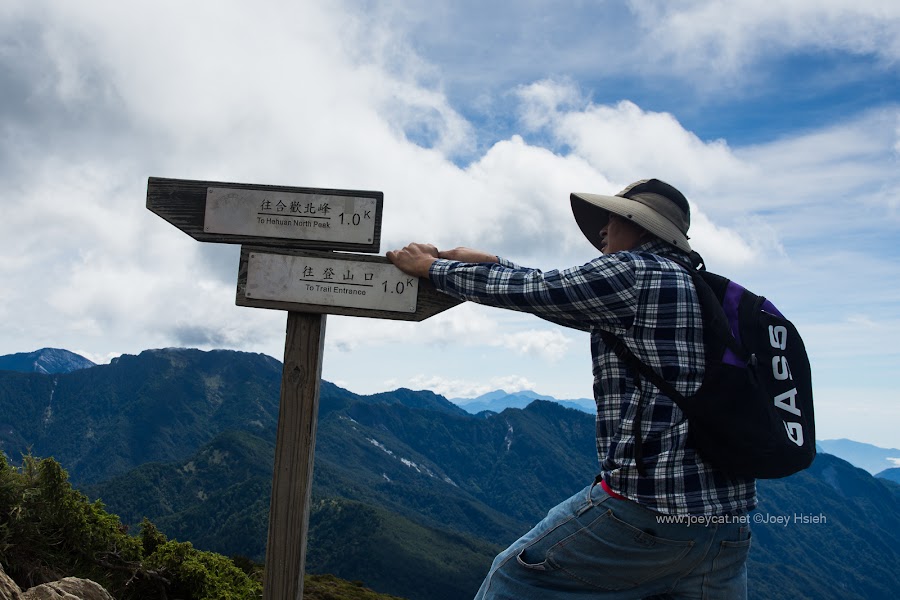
{"type": "Point", "coordinates": [730, 304]}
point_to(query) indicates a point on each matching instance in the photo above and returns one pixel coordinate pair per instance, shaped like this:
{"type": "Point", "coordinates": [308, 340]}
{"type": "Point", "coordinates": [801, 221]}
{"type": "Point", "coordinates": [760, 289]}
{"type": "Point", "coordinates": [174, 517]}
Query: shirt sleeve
{"type": "Point", "coordinates": [600, 293]}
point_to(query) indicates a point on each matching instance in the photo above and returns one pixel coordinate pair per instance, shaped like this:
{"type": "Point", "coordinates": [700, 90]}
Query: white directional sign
{"type": "Point", "coordinates": [330, 282]}
{"type": "Point", "coordinates": [276, 216]}
{"type": "Point", "coordinates": [335, 283]}
{"type": "Point", "coordinates": [289, 215]}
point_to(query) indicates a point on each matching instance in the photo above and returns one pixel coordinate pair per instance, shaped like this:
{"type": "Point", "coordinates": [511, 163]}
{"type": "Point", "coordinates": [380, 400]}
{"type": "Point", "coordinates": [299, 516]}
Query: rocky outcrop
{"type": "Point", "coordinates": [70, 588]}
{"type": "Point", "coordinates": [8, 588]}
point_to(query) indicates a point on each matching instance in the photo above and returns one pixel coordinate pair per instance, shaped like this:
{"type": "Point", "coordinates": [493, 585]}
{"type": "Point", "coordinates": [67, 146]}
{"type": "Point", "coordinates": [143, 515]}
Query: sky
{"type": "Point", "coordinates": [779, 121]}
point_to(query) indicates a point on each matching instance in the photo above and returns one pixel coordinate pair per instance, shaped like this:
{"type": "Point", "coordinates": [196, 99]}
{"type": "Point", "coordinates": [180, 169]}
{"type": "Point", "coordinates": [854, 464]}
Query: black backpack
{"type": "Point", "coordinates": [753, 414]}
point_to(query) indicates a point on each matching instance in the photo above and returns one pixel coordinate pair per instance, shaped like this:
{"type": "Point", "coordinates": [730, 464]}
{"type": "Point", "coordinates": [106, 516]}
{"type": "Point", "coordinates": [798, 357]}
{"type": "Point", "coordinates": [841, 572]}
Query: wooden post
{"type": "Point", "coordinates": [294, 457]}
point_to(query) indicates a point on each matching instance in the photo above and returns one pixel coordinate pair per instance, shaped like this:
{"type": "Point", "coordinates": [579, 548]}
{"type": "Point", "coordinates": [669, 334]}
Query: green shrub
{"type": "Point", "coordinates": [48, 531]}
{"type": "Point", "coordinates": [201, 575]}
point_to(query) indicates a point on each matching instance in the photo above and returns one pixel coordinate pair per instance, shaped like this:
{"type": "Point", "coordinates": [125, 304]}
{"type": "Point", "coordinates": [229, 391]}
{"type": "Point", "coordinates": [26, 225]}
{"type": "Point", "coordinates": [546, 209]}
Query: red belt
{"type": "Point", "coordinates": [609, 491]}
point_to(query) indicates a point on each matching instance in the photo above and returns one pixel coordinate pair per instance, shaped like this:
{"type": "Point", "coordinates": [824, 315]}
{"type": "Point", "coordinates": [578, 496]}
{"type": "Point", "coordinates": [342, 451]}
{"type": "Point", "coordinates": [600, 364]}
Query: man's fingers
{"type": "Point", "coordinates": [428, 249]}
{"type": "Point", "coordinates": [412, 251]}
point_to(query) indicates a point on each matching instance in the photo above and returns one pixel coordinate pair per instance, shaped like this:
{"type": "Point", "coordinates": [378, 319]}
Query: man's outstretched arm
{"type": "Point", "coordinates": [416, 259]}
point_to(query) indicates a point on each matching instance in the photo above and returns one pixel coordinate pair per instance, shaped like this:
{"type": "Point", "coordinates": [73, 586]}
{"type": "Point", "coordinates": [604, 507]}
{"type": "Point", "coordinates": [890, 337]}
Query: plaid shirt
{"type": "Point", "coordinates": [651, 305]}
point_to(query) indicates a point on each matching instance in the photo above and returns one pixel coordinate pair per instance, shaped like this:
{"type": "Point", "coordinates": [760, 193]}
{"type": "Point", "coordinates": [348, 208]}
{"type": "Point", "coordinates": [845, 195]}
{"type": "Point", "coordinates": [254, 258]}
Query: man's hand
{"type": "Point", "coordinates": [414, 259]}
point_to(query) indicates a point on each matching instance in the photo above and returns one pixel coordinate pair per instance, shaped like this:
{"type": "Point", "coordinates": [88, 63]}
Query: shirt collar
{"type": "Point", "coordinates": [661, 248]}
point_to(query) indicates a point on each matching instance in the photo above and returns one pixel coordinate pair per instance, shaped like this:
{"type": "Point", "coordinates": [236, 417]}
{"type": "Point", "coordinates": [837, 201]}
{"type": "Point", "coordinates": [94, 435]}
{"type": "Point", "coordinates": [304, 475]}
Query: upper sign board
{"type": "Point", "coordinates": [290, 215]}
{"type": "Point", "coordinates": [266, 215]}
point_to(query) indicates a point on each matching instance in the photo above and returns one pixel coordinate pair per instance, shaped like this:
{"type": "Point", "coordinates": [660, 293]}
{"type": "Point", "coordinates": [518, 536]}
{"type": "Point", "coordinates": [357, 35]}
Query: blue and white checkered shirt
{"type": "Point", "coordinates": [649, 303]}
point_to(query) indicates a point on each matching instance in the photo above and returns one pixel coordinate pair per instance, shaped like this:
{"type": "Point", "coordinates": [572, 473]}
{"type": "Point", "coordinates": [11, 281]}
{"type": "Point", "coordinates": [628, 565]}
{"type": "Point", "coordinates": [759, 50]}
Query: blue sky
{"type": "Point", "coordinates": [476, 119]}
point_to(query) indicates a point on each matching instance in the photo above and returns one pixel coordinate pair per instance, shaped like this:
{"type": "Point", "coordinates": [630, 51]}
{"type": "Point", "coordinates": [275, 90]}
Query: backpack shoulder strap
{"type": "Point", "coordinates": [714, 317]}
{"type": "Point", "coordinates": [637, 366]}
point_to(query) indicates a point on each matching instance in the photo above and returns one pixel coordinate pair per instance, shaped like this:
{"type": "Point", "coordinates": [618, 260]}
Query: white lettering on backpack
{"type": "Point", "coordinates": [786, 401]}
{"type": "Point", "coordinates": [780, 368]}
{"type": "Point", "coordinates": [778, 337]}
{"type": "Point", "coordinates": [794, 432]}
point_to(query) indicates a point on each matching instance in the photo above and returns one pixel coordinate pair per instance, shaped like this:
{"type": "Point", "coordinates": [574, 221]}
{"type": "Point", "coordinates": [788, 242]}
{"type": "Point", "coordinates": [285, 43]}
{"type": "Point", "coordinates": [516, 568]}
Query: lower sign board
{"type": "Point", "coordinates": [335, 283]}
{"type": "Point", "coordinates": [330, 282]}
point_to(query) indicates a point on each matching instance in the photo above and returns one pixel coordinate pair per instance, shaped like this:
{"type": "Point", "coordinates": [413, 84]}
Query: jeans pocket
{"type": "Point", "coordinates": [608, 554]}
{"type": "Point", "coordinates": [732, 556]}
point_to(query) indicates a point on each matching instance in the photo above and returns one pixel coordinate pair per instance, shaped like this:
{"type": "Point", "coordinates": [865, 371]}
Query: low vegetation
{"type": "Point", "coordinates": [48, 531]}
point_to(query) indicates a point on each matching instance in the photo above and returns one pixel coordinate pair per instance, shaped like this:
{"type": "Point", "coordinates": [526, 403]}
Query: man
{"type": "Point", "coordinates": [617, 538]}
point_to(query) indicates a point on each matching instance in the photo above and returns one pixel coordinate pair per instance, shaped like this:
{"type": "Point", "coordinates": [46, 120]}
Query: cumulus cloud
{"type": "Point", "coordinates": [626, 143]}
{"type": "Point", "coordinates": [621, 139]}
{"type": "Point", "coordinates": [466, 325]}
{"type": "Point", "coordinates": [831, 180]}
{"type": "Point", "coordinates": [551, 345]}
{"type": "Point", "coordinates": [861, 335]}
{"type": "Point", "coordinates": [727, 37]}
{"type": "Point", "coordinates": [305, 107]}
{"type": "Point", "coordinates": [462, 388]}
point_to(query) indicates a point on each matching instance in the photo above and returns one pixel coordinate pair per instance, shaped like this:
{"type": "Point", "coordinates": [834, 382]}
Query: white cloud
{"type": "Point", "coordinates": [525, 211]}
{"type": "Point", "coordinates": [626, 143]}
{"type": "Point", "coordinates": [514, 198]}
{"type": "Point", "coordinates": [746, 202]}
{"type": "Point", "coordinates": [726, 37]}
{"type": "Point", "coordinates": [551, 345]}
{"type": "Point", "coordinates": [824, 187]}
{"type": "Point", "coordinates": [857, 338]}
{"type": "Point", "coordinates": [462, 388]}
{"type": "Point", "coordinates": [302, 107]}
{"type": "Point", "coordinates": [621, 140]}
{"type": "Point", "coordinates": [541, 101]}
{"type": "Point", "coordinates": [466, 325]}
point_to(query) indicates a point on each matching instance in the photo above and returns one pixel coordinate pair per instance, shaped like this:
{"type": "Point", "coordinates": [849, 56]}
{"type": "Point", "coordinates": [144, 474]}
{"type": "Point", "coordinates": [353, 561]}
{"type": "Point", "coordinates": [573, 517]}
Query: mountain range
{"type": "Point", "coordinates": [890, 474]}
{"type": "Point", "coordinates": [873, 459]}
{"type": "Point", "coordinates": [499, 400]}
{"type": "Point", "coordinates": [412, 494]}
{"type": "Point", "coordinates": [55, 361]}
{"type": "Point", "coordinates": [47, 360]}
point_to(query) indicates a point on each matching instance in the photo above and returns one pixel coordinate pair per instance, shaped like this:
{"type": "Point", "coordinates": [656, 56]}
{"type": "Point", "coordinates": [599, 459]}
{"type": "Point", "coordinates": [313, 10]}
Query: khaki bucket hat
{"type": "Point", "coordinates": [653, 204]}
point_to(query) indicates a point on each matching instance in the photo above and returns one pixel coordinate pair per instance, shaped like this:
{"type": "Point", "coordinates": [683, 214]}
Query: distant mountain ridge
{"type": "Point", "coordinates": [499, 400]}
{"type": "Point", "coordinates": [48, 361]}
{"type": "Point", "coordinates": [890, 474]}
{"type": "Point", "coordinates": [872, 458]}
{"type": "Point", "coordinates": [158, 406]}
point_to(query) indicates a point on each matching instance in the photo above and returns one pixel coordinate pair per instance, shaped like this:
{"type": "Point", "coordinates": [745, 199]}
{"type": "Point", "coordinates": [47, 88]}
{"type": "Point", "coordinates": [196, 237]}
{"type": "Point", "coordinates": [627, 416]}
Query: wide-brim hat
{"type": "Point", "coordinates": [653, 204]}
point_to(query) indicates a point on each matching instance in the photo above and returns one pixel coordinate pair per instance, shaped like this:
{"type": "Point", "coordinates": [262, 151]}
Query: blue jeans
{"type": "Point", "coordinates": [596, 546]}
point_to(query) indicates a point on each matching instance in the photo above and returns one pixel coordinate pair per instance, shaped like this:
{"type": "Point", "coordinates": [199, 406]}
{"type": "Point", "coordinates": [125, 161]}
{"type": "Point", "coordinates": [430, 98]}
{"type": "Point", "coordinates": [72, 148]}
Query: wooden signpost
{"type": "Point", "coordinates": [287, 263]}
